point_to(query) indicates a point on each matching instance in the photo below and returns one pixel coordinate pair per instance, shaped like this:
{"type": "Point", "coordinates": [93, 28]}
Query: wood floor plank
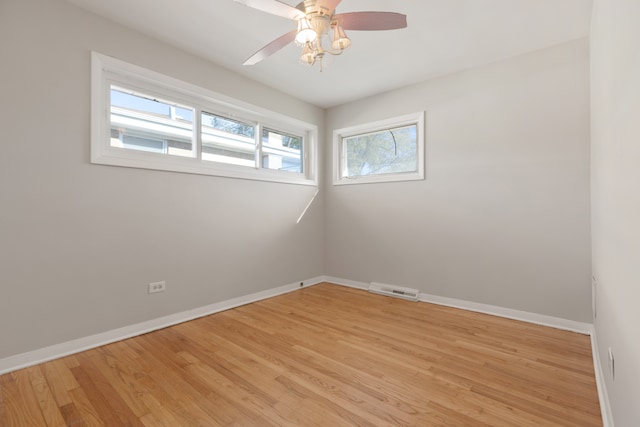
{"type": "Point", "coordinates": [4, 421]}
{"type": "Point", "coordinates": [218, 383]}
{"type": "Point", "coordinates": [304, 369]}
{"type": "Point", "coordinates": [103, 397]}
{"type": "Point", "coordinates": [469, 376]}
{"type": "Point", "coordinates": [60, 380]}
{"type": "Point", "coordinates": [70, 361]}
{"type": "Point", "coordinates": [347, 416]}
{"type": "Point", "coordinates": [323, 355]}
{"type": "Point", "coordinates": [243, 362]}
{"type": "Point", "coordinates": [179, 391]}
{"type": "Point", "coordinates": [71, 416]}
{"type": "Point", "coordinates": [119, 379]}
{"type": "Point", "coordinates": [158, 416]}
{"type": "Point", "coordinates": [161, 400]}
{"type": "Point", "coordinates": [45, 399]}
{"type": "Point", "coordinates": [224, 367]}
{"type": "Point", "coordinates": [20, 402]}
{"type": "Point", "coordinates": [81, 410]}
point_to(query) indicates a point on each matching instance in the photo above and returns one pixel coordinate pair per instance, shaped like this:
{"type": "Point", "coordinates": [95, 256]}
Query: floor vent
{"type": "Point", "coordinates": [394, 291]}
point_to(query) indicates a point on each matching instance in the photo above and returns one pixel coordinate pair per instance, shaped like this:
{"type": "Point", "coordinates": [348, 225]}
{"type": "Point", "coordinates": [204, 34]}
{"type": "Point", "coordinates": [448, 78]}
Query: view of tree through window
{"type": "Point", "coordinates": [381, 152]}
{"type": "Point", "coordinates": [225, 140]}
{"type": "Point", "coordinates": [227, 125]}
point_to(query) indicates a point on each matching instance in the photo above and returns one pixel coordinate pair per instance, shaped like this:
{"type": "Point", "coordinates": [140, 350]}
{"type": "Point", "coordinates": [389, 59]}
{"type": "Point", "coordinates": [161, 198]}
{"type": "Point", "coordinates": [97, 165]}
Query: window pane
{"type": "Point", "coordinates": [141, 122]}
{"type": "Point", "coordinates": [281, 151]}
{"type": "Point", "coordinates": [228, 141]}
{"type": "Point", "coordinates": [382, 152]}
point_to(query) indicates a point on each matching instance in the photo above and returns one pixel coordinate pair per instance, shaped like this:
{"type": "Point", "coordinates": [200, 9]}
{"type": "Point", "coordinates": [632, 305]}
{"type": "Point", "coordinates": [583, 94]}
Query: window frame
{"type": "Point", "coordinates": [339, 150]}
{"type": "Point", "coordinates": [107, 71]}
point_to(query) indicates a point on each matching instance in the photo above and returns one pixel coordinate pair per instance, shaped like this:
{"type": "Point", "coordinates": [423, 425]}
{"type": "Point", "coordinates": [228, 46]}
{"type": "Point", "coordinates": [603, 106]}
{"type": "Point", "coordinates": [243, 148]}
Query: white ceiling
{"type": "Point", "coordinates": [442, 37]}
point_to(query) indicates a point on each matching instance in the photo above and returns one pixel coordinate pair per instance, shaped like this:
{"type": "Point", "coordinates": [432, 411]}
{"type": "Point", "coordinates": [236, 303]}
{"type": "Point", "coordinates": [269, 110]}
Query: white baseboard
{"type": "Point", "coordinates": [346, 282]}
{"type": "Point", "coordinates": [603, 395]}
{"type": "Point", "coordinates": [539, 319]}
{"type": "Point", "coordinates": [525, 316]}
{"type": "Point", "coordinates": [19, 361]}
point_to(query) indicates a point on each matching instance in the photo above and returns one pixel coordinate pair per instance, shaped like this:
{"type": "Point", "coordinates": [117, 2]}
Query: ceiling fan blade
{"type": "Point", "coordinates": [271, 48]}
{"type": "Point", "coordinates": [273, 7]}
{"type": "Point", "coordinates": [329, 5]}
{"type": "Point", "coordinates": [372, 21]}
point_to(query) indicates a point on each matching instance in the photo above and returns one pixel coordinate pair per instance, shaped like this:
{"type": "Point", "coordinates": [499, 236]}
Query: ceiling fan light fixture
{"type": "Point", "coordinates": [308, 56]}
{"type": "Point", "coordinates": [315, 20]}
{"type": "Point", "coordinates": [305, 33]}
{"type": "Point", "coordinates": [340, 39]}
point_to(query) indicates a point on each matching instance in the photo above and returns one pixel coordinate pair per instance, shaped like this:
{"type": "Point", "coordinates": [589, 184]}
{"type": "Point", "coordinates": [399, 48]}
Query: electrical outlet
{"type": "Point", "coordinates": [612, 365]}
{"type": "Point", "coordinates": [157, 287]}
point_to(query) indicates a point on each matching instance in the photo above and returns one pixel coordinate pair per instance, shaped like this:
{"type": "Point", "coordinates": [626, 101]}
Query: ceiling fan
{"type": "Point", "coordinates": [314, 19]}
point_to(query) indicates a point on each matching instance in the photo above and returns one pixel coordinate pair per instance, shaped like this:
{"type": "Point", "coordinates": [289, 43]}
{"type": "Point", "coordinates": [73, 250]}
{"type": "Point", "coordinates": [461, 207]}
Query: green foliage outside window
{"type": "Point", "coordinates": [382, 152]}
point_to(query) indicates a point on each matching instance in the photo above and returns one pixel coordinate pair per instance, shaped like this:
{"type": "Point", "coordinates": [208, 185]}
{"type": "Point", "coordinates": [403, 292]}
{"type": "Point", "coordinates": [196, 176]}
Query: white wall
{"type": "Point", "coordinates": [615, 157]}
{"type": "Point", "coordinates": [80, 242]}
{"type": "Point", "coordinates": [503, 215]}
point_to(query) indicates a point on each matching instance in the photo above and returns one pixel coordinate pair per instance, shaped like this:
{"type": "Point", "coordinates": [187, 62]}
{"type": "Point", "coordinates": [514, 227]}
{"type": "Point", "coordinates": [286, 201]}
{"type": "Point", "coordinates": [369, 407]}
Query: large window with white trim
{"type": "Point", "coordinates": [144, 119]}
{"type": "Point", "coordinates": [387, 150]}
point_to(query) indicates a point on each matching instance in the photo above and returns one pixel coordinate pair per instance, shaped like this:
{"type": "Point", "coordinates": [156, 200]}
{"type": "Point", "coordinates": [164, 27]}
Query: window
{"type": "Point", "coordinates": [227, 140]}
{"type": "Point", "coordinates": [144, 119]}
{"type": "Point", "coordinates": [281, 151]}
{"type": "Point", "coordinates": [389, 150]}
{"type": "Point", "coordinates": [139, 122]}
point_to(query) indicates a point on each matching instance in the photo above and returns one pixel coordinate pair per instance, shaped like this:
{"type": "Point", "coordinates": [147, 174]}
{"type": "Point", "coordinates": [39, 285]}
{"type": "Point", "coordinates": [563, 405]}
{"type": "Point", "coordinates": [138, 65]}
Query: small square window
{"type": "Point", "coordinates": [392, 150]}
{"type": "Point", "coordinates": [383, 152]}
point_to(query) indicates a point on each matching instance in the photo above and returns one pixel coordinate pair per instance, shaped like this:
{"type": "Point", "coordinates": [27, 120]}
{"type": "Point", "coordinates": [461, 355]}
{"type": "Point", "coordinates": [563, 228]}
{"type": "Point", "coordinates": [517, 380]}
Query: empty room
{"type": "Point", "coordinates": [320, 213]}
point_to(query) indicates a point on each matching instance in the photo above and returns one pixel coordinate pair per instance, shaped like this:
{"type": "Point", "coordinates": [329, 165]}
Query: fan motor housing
{"type": "Point", "coordinates": [310, 8]}
{"type": "Point", "coordinates": [318, 16]}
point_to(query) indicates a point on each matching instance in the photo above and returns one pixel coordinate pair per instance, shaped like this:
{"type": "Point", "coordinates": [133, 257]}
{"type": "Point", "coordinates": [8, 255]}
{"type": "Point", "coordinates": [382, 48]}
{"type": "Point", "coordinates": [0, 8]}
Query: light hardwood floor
{"type": "Point", "coordinates": [321, 356]}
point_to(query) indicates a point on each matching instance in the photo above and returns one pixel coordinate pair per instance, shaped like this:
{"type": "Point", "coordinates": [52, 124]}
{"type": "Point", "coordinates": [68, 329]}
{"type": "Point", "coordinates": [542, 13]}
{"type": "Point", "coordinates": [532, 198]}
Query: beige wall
{"type": "Point", "coordinates": [80, 242]}
{"type": "Point", "coordinates": [503, 215]}
{"type": "Point", "coordinates": [615, 157]}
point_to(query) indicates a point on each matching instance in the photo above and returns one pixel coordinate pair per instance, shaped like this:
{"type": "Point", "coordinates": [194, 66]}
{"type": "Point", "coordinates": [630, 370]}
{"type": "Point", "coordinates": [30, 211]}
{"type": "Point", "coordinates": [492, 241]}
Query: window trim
{"type": "Point", "coordinates": [106, 71]}
{"type": "Point", "coordinates": [339, 164]}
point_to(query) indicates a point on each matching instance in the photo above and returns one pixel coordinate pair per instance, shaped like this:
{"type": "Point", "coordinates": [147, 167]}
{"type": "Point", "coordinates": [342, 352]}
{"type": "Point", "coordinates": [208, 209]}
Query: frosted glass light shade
{"type": "Point", "coordinates": [340, 39]}
{"type": "Point", "coordinates": [305, 34]}
{"type": "Point", "coordinates": [308, 56]}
